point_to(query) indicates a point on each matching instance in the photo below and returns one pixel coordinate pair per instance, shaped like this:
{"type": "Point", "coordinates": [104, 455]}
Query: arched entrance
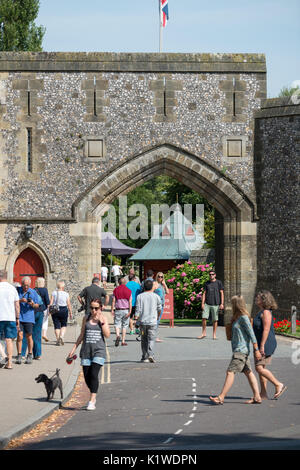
{"type": "Point", "coordinates": [236, 263]}
{"type": "Point", "coordinates": [29, 264]}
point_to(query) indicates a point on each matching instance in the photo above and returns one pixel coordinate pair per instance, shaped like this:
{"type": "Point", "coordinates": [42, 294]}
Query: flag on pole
{"type": "Point", "coordinates": [164, 12]}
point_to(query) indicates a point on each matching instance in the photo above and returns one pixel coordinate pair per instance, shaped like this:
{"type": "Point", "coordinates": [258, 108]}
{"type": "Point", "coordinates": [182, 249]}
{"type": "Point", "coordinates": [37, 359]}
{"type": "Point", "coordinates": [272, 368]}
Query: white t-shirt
{"type": "Point", "coordinates": [62, 298]}
{"type": "Point", "coordinates": [8, 297]}
{"type": "Point", "coordinates": [116, 270]}
{"type": "Point", "coordinates": [104, 271]}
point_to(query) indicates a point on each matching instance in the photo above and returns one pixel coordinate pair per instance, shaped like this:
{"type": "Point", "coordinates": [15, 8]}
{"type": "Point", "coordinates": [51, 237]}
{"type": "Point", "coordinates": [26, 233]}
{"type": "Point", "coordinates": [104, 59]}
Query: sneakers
{"type": "Point", "coordinates": [91, 406]}
{"type": "Point", "coordinates": [151, 359]}
{"type": "Point", "coordinates": [145, 360]}
{"type": "Point", "coordinates": [19, 359]}
{"type": "Point", "coordinates": [28, 359]}
{"type": "Point", "coordinates": [117, 342]}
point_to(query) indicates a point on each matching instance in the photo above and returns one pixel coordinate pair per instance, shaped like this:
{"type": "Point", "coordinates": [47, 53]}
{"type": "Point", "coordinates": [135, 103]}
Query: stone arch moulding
{"type": "Point", "coordinates": [237, 210]}
{"type": "Point", "coordinates": [40, 252]}
{"type": "Point", "coordinates": [170, 160]}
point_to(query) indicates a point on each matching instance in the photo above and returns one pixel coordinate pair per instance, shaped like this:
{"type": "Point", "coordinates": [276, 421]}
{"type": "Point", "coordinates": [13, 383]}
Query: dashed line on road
{"type": "Point", "coordinates": [192, 415]}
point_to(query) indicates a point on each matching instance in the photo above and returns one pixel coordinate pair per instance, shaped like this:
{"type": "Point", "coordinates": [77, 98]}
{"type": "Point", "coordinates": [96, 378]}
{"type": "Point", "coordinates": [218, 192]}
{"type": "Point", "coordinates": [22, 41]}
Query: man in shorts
{"type": "Point", "coordinates": [121, 310]}
{"type": "Point", "coordinates": [104, 274]}
{"type": "Point", "coordinates": [29, 301]}
{"type": "Point", "coordinates": [9, 315]}
{"type": "Point", "coordinates": [212, 302]}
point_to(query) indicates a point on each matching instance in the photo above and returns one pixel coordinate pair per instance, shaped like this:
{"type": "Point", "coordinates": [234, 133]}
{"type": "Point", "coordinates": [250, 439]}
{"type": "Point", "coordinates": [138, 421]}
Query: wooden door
{"type": "Point", "coordinates": [29, 264]}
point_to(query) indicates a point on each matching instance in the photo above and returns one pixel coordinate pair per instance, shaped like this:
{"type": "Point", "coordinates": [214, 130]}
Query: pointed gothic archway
{"type": "Point", "coordinates": [31, 257]}
{"type": "Point", "coordinates": [235, 211]}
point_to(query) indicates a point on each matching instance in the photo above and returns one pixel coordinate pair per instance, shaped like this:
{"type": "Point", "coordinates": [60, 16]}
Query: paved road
{"type": "Point", "coordinates": [166, 406]}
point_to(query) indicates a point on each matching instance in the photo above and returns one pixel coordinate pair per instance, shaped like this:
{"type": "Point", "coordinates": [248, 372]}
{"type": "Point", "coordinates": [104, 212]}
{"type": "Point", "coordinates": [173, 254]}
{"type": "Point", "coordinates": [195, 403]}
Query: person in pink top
{"type": "Point", "coordinates": [121, 310]}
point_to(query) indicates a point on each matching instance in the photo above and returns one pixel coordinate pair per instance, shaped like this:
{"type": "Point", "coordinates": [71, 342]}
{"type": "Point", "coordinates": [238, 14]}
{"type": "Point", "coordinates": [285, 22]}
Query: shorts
{"type": "Point", "coordinates": [96, 360]}
{"type": "Point", "coordinates": [120, 321]}
{"type": "Point", "coordinates": [240, 362]}
{"type": "Point", "coordinates": [8, 329]}
{"type": "Point", "coordinates": [264, 361]}
{"type": "Point", "coordinates": [103, 278]}
{"type": "Point", "coordinates": [213, 309]}
{"type": "Point", "coordinates": [60, 319]}
{"type": "Point", "coordinates": [26, 327]}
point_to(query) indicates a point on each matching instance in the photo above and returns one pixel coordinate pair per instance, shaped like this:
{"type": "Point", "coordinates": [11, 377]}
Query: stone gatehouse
{"type": "Point", "coordinates": [77, 130]}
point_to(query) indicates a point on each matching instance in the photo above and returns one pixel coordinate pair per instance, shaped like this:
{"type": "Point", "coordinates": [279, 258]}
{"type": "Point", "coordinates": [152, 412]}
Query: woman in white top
{"type": "Point", "coordinates": [62, 299]}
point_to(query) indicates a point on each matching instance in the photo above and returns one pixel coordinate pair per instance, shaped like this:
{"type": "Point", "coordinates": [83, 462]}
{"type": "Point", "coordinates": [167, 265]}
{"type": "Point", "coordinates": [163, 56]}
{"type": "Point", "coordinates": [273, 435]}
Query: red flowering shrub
{"type": "Point", "coordinates": [187, 281]}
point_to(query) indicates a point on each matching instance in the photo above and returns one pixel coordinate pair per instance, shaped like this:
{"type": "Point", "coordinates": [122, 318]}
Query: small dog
{"type": "Point", "coordinates": [51, 384]}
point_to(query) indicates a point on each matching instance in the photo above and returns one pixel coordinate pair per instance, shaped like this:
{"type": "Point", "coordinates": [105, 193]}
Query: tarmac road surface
{"type": "Point", "coordinates": [166, 406]}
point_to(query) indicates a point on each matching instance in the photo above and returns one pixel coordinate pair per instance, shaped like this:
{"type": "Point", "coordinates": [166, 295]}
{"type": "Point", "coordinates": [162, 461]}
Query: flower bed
{"type": "Point", "coordinates": [187, 281]}
{"type": "Point", "coordinates": [285, 327]}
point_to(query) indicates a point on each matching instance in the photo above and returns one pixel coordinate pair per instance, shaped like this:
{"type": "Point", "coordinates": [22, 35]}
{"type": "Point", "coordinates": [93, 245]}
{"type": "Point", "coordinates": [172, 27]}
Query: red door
{"type": "Point", "coordinates": [29, 264]}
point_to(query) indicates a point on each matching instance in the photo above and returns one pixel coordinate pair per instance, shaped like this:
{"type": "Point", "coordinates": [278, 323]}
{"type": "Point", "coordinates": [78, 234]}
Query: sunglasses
{"type": "Point", "coordinates": [160, 276]}
{"type": "Point", "coordinates": [95, 308]}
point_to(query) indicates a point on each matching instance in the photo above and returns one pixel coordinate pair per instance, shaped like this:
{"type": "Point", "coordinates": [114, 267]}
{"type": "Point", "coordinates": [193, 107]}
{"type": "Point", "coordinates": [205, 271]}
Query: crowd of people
{"type": "Point", "coordinates": [24, 314]}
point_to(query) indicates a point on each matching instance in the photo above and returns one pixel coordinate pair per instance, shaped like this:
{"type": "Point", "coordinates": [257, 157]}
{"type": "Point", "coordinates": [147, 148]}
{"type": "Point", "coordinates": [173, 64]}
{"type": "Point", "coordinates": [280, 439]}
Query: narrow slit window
{"type": "Point", "coordinates": [165, 103]}
{"type": "Point", "coordinates": [95, 103]}
{"type": "Point", "coordinates": [233, 103]}
{"type": "Point", "coordinates": [29, 150]}
{"type": "Point", "coordinates": [28, 103]}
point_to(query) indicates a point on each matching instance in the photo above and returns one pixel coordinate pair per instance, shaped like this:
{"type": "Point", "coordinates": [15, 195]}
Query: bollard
{"type": "Point", "coordinates": [293, 318]}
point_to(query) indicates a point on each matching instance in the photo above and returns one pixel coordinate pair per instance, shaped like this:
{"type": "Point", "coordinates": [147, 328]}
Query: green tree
{"type": "Point", "coordinates": [18, 32]}
{"type": "Point", "coordinates": [288, 91]}
{"type": "Point", "coordinates": [165, 190]}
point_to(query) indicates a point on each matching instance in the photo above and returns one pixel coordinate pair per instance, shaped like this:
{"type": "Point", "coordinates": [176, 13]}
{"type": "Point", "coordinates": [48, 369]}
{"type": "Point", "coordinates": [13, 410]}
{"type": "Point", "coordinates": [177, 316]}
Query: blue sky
{"type": "Point", "coordinates": [271, 27]}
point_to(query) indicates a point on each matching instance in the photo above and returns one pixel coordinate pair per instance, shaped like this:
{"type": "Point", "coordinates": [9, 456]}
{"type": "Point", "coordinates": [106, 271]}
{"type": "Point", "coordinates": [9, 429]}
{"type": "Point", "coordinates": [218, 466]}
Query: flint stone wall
{"type": "Point", "coordinates": [277, 169]}
{"type": "Point", "coordinates": [200, 103]}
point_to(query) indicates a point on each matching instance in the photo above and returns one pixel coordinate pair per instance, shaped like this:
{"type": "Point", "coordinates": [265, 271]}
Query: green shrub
{"type": "Point", "coordinates": [187, 281]}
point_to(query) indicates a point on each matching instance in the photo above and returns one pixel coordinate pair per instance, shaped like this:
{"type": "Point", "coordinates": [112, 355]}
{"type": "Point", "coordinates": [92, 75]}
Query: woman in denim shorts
{"type": "Point", "coordinates": [242, 335]}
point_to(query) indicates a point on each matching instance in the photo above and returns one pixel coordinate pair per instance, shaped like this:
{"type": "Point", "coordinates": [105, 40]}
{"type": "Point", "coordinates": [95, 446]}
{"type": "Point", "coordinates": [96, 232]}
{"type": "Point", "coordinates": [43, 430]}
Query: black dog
{"type": "Point", "coordinates": [51, 384]}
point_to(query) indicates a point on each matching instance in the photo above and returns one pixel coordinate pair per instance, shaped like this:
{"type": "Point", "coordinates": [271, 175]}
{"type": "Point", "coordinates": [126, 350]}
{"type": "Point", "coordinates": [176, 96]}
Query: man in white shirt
{"type": "Point", "coordinates": [116, 272]}
{"type": "Point", "coordinates": [104, 273]}
{"type": "Point", "coordinates": [9, 315]}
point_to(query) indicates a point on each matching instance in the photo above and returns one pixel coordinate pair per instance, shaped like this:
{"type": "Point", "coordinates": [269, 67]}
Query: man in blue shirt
{"type": "Point", "coordinates": [29, 301]}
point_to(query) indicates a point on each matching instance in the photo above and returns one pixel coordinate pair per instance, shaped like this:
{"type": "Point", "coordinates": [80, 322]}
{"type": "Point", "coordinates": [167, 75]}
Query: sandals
{"type": "Point", "coordinates": [278, 394]}
{"type": "Point", "coordinates": [217, 400]}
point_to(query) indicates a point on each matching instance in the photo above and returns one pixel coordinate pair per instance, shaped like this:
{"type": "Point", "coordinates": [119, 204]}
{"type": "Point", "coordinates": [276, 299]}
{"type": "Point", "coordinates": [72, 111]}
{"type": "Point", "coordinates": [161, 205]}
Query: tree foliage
{"type": "Point", "coordinates": [165, 190]}
{"type": "Point", "coordinates": [18, 31]}
{"type": "Point", "coordinates": [288, 91]}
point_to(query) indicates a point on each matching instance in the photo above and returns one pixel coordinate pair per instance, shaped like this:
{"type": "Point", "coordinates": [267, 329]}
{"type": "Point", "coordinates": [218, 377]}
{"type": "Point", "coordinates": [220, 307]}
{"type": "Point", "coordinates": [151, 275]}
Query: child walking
{"type": "Point", "coordinates": [242, 335]}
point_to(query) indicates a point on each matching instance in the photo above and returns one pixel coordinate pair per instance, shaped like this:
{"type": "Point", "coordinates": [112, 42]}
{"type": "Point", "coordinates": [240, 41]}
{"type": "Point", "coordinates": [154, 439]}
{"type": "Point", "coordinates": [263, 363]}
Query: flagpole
{"type": "Point", "coordinates": [160, 26]}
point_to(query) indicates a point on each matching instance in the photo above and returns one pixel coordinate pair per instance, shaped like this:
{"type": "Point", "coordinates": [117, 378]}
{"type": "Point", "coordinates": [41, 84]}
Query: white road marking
{"type": "Point", "coordinates": [179, 431]}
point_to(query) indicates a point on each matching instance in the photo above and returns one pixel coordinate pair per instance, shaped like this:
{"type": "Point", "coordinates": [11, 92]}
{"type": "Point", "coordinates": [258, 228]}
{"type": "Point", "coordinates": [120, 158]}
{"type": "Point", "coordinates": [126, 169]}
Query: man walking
{"type": "Point", "coordinates": [9, 315]}
{"type": "Point", "coordinates": [29, 301]}
{"type": "Point", "coordinates": [147, 311]}
{"type": "Point", "coordinates": [121, 310]}
{"type": "Point", "coordinates": [212, 302]}
{"type": "Point", "coordinates": [94, 291]}
{"type": "Point", "coordinates": [116, 272]}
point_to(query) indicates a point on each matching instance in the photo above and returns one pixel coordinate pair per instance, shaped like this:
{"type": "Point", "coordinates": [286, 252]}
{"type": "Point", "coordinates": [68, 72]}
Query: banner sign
{"type": "Point", "coordinates": [169, 308]}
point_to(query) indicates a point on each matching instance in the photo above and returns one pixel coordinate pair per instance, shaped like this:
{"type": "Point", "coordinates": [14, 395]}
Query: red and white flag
{"type": "Point", "coordinates": [164, 13]}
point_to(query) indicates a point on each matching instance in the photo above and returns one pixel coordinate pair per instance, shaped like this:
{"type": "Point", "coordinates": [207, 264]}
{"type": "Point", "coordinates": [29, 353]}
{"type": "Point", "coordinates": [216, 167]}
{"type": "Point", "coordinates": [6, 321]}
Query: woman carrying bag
{"type": "Point", "coordinates": [60, 308]}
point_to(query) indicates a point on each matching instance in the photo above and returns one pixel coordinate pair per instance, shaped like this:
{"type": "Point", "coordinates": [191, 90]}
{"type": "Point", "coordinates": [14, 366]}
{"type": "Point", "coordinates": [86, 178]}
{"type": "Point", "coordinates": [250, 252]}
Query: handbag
{"type": "Point", "coordinates": [54, 308]}
{"type": "Point", "coordinates": [228, 328]}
